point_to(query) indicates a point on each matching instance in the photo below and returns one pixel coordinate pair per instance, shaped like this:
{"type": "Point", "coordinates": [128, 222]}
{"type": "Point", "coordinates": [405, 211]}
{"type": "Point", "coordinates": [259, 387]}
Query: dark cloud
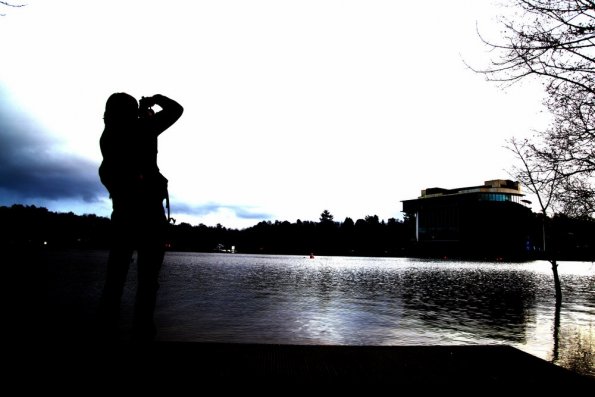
{"type": "Point", "coordinates": [32, 168]}
{"type": "Point", "coordinates": [242, 212]}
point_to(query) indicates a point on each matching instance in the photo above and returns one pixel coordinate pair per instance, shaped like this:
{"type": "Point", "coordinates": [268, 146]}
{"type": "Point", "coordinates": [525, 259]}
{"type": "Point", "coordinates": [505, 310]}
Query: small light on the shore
{"type": "Point", "coordinates": [45, 243]}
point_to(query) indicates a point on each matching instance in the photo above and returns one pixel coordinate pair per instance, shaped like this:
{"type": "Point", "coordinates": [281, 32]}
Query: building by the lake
{"type": "Point", "coordinates": [490, 220]}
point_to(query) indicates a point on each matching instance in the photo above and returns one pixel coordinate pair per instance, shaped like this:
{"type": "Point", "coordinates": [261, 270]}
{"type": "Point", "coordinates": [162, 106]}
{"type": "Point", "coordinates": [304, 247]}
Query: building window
{"type": "Point", "coordinates": [498, 197]}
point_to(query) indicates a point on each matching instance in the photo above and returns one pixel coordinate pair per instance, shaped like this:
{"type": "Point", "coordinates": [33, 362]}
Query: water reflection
{"type": "Point", "coordinates": [379, 301]}
{"type": "Point", "coordinates": [355, 301]}
{"type": "Point", "coordinates": [489, 303]}
{"type": "Point", "coordinates": [573, 330]}
{"type": "Point", "coordinates": [576, 348]}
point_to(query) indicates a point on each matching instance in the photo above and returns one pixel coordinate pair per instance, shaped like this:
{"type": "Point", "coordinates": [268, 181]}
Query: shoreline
{"type": "Point", "coordinates": [187, 364]}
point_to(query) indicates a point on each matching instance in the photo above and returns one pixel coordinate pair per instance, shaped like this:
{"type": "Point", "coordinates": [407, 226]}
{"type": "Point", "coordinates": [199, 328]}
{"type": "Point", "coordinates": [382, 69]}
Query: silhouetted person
{"type": "Point", "coordinates": [129, 172]}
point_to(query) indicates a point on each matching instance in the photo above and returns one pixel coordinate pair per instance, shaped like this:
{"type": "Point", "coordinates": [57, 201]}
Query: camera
{"type": "Point", "coordinates": [144, 107]}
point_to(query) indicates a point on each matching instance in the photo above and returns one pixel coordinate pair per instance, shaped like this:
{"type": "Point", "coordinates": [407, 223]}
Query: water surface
{"type": "Point", "coordinates": [357, 301]}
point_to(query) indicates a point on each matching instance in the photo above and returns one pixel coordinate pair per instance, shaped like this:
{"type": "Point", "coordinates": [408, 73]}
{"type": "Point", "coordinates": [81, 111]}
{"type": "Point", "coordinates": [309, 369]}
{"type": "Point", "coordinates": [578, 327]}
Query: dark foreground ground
{"type": "Point", "coordinates": [193, 368]}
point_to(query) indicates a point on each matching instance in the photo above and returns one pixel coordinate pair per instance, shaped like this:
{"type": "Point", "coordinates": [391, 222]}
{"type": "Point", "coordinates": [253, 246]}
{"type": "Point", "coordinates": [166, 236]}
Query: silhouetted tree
{"type": "Point", "coordinates": [544, 182]}
{"type": "Point", "coordinates": [553, 41]}
{"type": "Point", "coordinates": [347, 223]}
{"type": "Point", "coordinates": [346, 236]}
{"type": "Point", "coordinates": [326, 217]}
{"type": "Point", "coordinates": [326, 237]}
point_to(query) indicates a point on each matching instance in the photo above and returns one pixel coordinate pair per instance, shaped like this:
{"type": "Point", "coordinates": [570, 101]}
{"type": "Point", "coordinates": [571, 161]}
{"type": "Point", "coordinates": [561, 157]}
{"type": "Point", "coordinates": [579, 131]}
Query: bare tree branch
{"type": "Point", "coordinates": [543, 180]}
{"type": "Point", "coordinates": [553, 41]}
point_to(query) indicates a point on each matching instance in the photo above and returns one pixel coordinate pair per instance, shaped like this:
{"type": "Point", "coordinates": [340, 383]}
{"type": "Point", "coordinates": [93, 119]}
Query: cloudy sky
{"type": "Point", "coordinates": [291, 107]}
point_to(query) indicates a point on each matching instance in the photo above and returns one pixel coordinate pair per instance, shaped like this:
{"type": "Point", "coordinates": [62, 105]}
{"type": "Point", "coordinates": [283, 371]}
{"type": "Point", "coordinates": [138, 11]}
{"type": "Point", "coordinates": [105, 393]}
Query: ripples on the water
{"type": "Point", "coordinates": [367, 301]}
{"type": "Point", "coordinates": [376, 301]}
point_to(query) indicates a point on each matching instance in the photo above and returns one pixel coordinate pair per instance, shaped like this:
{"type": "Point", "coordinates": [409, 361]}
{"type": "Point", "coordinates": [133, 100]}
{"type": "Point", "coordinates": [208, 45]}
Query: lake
{"type": "Point", "coordinates": [347, 301]}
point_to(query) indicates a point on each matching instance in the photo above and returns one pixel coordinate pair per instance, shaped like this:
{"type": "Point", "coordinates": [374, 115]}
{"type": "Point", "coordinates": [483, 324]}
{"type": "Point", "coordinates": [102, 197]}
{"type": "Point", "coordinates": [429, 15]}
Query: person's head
{"type": "Point", "coordinates": [120, 109]}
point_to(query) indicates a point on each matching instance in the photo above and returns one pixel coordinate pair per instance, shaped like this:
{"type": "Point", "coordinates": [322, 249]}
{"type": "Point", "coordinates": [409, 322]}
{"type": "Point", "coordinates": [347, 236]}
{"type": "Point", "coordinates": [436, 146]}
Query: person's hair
{"type": "Point", "coordinates": [120, 108]}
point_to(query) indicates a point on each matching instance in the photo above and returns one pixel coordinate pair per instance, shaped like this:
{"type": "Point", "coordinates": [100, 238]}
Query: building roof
{"type": "Point", "coordinates": [504, 186]}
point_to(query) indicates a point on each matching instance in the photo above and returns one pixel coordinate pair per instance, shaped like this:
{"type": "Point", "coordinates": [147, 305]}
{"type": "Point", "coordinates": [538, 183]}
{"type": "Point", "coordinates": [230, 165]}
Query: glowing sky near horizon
{"type": "Point", "coordinates": [291, 107]}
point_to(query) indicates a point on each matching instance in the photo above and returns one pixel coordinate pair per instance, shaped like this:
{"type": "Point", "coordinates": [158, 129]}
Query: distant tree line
{"type": "Point", "coordinates": [27, 227]}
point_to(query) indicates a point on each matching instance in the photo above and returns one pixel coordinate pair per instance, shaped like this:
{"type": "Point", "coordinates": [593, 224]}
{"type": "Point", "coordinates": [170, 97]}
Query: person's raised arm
{"type": "Point", "coordinates": [170, 112]}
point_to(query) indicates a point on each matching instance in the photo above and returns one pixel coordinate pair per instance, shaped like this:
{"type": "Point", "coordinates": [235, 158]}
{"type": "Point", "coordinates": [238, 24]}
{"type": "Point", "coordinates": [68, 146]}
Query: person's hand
{"type": "Point", "coordinates": [146, 102]}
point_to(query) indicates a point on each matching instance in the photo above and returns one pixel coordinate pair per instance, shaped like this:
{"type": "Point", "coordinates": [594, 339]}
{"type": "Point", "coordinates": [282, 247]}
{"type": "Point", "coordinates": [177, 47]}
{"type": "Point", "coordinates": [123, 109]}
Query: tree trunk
{"type": "Point", "coordinates": [551, 255]}
{"type": "Point", "coordinates": [556, 281]}
{"type": "Point", "coordinates": [556, 348]}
